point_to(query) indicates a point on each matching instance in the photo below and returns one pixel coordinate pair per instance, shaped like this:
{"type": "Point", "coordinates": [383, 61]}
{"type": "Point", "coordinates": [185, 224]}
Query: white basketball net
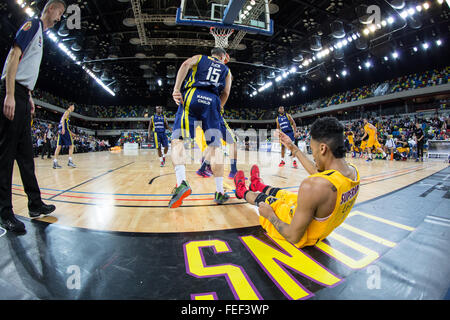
{"type": "Point", "coordinates": [221, 36]}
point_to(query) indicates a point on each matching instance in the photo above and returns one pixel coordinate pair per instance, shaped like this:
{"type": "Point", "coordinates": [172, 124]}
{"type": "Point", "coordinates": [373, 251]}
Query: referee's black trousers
{"type": "Point", "coordinates": [420, 149]}
{"type": "Point", "coordinates": [16, 144]}
{"type": "Point", "coordinates": [47, 148]}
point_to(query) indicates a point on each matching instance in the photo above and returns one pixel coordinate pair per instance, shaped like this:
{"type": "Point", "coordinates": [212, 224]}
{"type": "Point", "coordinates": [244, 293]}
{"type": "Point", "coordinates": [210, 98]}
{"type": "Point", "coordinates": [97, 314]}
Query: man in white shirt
{"type": "Point", "coordinates": [19, 76]}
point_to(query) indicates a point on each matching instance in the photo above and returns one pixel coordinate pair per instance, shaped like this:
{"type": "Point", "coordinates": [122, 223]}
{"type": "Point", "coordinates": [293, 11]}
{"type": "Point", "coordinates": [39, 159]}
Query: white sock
{"type": "Point", "coordinates": [219, 185]}
{"type": "Point", "coordinates": [282, 159]}
{"type": "Point", "coordinates": [70, 158]}
{"type": "Point", "coordinates": [55, 160]}
{"type": "Point", "coordinates": [161, 159]}
{"type": "Point", "coordinates": [180, 173]}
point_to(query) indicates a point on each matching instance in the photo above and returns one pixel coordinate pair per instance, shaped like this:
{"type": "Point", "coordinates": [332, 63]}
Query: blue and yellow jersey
{"type": "Point", "coordinates": [66, 125]}
{"type": "Point", "coordinates": [158, 123]}
{"type": "Point", "coordinates": [285, 124]}
{"type": "Point", "coordinates": [209, 73]}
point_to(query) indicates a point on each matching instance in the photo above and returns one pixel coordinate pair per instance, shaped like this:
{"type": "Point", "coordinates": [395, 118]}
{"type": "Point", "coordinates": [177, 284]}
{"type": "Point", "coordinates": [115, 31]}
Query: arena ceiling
{"type": "Point", "coordinates": [109, 44]}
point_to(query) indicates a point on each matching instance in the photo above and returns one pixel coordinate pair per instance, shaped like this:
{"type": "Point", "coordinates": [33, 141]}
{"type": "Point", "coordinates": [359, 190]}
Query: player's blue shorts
{"type": "Point", "coordinates": [227, 133]}
{"type": "Point", "coordinates": [290, 134]}
{"type": "Point", "coordinates": [65, 139]}
{"type": "Point", "coordinates": [199, 106]}
{"type": "Point", "coordinates": [161, 139]}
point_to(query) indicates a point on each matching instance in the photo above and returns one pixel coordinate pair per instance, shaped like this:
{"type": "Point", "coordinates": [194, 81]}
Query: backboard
{"type": "Point", "coordinates": [251, 16]}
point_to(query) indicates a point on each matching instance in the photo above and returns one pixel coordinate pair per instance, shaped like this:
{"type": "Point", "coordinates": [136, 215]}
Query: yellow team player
{"type": "Point", "coordinates": [403, 147]}
{"type": "Point", "coordinates": [351, 141]}
{"type": "Point", "coordinates": [372, 142]}
{"type": "Point", "coordinates": [324, 199]}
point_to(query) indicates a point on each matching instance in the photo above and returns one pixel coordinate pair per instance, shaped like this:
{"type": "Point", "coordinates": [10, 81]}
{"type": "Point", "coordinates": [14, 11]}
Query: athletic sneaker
{"type": "Point", "coordinates": [282, 164]}
{"type": "Point", "coordinates": [208, 170]}
{"type": "Point", "coordinates": [256, 183]}
{"type": "Point", "coordinates": [295, 164]}
{"type": "Point", "coordinates": [162, 164]}
{"type": "Point", "coordinates": [239, 181]}
{"type": "Point", "coordinates": [12, 224]}
{"type": "Point", "coordinates": [179, 194]}
{"type": "Point", "coordinates": [231, 175]}
{"type": "Point", "coordinates": [71, 164]}
{"type": "Point", "coordinates": [202, 174]}
{"type": "Point", "coordinates": [56, 165]}
{"type": "Point", "coordinates": [220, 198]}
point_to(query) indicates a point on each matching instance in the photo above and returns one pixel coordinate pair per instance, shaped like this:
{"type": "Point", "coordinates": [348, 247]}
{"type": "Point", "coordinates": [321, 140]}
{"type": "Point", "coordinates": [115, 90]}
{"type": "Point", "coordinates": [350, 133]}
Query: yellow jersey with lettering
{"type": "Point", "coordinates": [285, 203]}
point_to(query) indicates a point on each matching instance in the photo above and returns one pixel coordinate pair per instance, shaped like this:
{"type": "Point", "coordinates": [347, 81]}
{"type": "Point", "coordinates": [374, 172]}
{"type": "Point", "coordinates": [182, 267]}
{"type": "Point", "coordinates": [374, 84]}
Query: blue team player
{"type": "Point", "coordinates": [64, 138]}
{"type": "Point", "coordinates": [200, 98]}
{"type": "Point", "coordinates": [158, 126]}
{"type": "Point", "coordinates": [286, 124]}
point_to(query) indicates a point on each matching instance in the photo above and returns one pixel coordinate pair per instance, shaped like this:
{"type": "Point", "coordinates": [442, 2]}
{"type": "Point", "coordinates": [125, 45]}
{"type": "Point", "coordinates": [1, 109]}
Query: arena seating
{"type": "Point", "coordinates": [409, 82]}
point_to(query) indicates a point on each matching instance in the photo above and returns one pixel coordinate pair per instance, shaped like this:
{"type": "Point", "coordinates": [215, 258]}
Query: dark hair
{"type": "Point", "coordinates": [218, 51]}
{"type": "Point", "coordinates": [330, 131]}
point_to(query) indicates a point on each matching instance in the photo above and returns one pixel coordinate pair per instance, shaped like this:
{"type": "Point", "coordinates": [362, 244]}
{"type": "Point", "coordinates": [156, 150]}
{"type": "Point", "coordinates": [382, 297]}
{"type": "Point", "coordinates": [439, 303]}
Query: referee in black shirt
{"type": "Point", "coordinates": [420, 140]}
{"type": "Point", "coordinates": [19, 76]}
{"type": "Point", "coordinates": [47, 148]}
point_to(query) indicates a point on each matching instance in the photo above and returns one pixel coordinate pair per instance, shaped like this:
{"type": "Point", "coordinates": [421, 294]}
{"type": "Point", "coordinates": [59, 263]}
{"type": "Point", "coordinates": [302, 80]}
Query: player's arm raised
{"type": "Point", "coordinates": [226, 91]}
{"type": "Point", "coordinates": [181, 75]}
{"type": "Point", "coordinates": [304, 160]}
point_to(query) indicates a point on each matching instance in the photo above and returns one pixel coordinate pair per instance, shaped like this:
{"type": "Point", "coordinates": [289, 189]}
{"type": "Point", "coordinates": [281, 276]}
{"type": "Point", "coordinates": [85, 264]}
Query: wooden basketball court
{"type": "Point", "coordinates": [128, 191]}
{"type": "Point", "coordinates": [113, 237]}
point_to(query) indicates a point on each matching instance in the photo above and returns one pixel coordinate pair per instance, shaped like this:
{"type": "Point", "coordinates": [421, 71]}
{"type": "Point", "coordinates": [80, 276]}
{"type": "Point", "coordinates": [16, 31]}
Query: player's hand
{"type": "Point", "coordinates": [284, 139]}
{"type": "Point", "coordinates": [63, 131]}
{"type": "Point", "coordinates": [177, 97]}
{"type": "Point", "coordinates": [9, 107]}
{"type": "Point", "coordinates": [265, 210]}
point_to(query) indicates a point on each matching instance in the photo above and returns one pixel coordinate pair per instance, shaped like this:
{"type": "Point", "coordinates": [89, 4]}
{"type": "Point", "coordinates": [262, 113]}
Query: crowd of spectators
{"type": "Point", "coordinates": [82, 141]}
{"type": "Point", "coordinates": [408, 82]}
{"type": "Point", "coordinates": [397, 134]}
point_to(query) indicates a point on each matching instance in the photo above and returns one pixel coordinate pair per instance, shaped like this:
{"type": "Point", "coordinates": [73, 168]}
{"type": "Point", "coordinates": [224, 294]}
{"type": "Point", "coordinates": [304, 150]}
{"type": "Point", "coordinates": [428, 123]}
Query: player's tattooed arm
{"type": "Point", "coordinates": [267, 212]}
{"type": "Point", "coordinates": [278, 224]}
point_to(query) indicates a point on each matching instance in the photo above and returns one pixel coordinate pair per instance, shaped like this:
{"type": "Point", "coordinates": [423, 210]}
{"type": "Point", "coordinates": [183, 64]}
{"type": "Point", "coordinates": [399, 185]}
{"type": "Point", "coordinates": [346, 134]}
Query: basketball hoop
{"type": "Point", "coordinates": [221, 36]}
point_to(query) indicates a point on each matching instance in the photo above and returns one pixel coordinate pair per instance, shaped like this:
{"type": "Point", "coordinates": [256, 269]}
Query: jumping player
{"type": "Point", "coordinates": [324, 199]}
{"type": "Point", "coordinates": [286, 124]}
{"type": "Point", "coordinates": [158, 125]}
{"type": "Point", "coordinates": [64, 138]}
{"type": "Point", "coordinates": [205, 93]}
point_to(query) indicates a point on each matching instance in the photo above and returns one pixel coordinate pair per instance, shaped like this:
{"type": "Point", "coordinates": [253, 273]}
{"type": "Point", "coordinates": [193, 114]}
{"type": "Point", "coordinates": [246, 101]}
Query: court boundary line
{"type": "Point", "coordinates": [143, 234]}
{"type": "Point", "coordinates": [409, 171]}
{"type": "Point", "coordinates": [206, 199]}
{"type": "Point", "coordinates": [212, 194]}
{"type": "Point", "coordinates": [91, 179]}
